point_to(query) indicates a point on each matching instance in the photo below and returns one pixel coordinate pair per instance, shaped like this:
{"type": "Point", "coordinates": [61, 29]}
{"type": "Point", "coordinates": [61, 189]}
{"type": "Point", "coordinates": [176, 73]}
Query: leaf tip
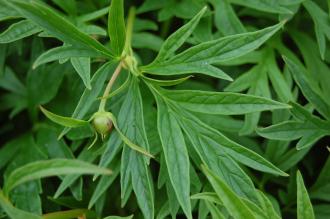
{"type": "Point", "coordinates": [284, 174]}
{"type": "Point", "coordinates": [285, 59]}
{"type": "Point", "coordinates": [90, 205]}
{"type": "Point", "coordinates": [150, 155]}
{"type": "Point", "coordinates": [288, 106]}
{"type": "Point", "coordinates": [283, 22]}
{"type": "Point", "coordinates": [204, 9]}
{"type": "Point", "coordinates": [61, 135]}
{"type": "Point", "coordinates": [230, 79]}
{"type": "Point", "coordinates": [43, 110]}
{"type": "Point", "coordinates": [95, 177]}
{"type": "Point", "coordinates": [298, 174]}
{"type": "Point", "coordinates": [57, 194]}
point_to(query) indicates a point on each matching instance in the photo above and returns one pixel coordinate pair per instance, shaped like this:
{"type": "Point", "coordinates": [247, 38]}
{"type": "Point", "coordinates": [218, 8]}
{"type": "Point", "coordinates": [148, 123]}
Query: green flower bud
{"type": "Point", "coordinates": [102, 123]}
{"type": "Point", "coordinates": [131, 64]}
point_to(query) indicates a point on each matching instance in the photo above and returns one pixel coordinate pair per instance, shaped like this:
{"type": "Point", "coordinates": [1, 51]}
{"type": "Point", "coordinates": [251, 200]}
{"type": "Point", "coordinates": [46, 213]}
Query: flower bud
{"type": "Point", "coordinates": [131, 64]}
{"type": "Point", "coordinates": [102, 123]}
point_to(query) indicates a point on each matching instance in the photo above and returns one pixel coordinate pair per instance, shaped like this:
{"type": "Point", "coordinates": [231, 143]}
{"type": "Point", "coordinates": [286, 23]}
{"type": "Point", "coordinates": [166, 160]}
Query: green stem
{"type": "Point", "coordinates": [126, 52]}
{"type": "Point", "coordinates": [109, 87]}
{"type": "Point", "coordinates": [129, 32]}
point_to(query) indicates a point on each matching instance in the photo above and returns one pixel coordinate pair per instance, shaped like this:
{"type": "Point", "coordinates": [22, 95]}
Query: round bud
{"type": "Point", "coordinates": [102, 123]}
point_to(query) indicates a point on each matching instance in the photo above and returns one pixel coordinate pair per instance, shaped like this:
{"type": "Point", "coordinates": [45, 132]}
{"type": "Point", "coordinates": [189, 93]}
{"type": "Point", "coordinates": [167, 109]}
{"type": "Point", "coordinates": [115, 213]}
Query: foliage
{"type": "Point", "coordinates": [191, 109]}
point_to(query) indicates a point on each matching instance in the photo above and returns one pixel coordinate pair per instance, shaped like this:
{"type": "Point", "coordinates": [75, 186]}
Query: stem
{"type": "Point", "coordinates": [126, 52]}
{"type": "Point", "coordinates": [109, 87]}
{"type": "Point", "coordinates": [129, 31]}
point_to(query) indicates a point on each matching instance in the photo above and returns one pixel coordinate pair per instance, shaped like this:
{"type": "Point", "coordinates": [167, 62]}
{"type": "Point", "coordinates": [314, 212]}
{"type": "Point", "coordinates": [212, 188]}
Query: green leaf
{"type": "Point", "coordinates": [272, 6]}
{"type": "Point", "coordinates": [203, 31]}
{"type": "Point", "coordinates": [64, 121]}
{"type": "Point", "coordinates": [223, 103]}
{"type": "Point", "coordinates": [87, 155]}
{"type": "Point", "coordinates": [19, 31]}
{"type": "Point", "coordinates": [310, 92]}
{"type": "Point", "coordinates": [307, 141]}
{"type": "Point", "coordinates": [26, 197]}
{"type": "Point", "coordinates": [322, 211]}
{"type": "Point", "coordinates": [146, 40]}
{"type": "Point", "coordinates": [150, 5]}
{"type": "Point", "coordinates": [257, 85]}
{"type": "Point", "coordinates": [230, 200]}
{"type": "Point", "coordinates": [142, 185]}
{"type": "Point", "coordinates": [7, 12]}
{"type": "Point", "coordinates": [104, 184]}
{"type": "Point", "coordinates": [44, 83]}
{"type": "Point", "coordinates": [125, 175]}
{"type": "Point", "coordinates": [127, 141]}
{"type": "Point", "coordinates": [208, 196]}
{"type": "Point", "coordinates": [223, 144]}
{"type": "Point", "coordinates": [225, 18]}
{"type": "Point", "coordinates": [279, 83]}
{"type": "Point", "coordinates": [131, 122]}
{"type": "Point", "coordinates": [144, 24]}
{"type": "Point", "coordinates": [304, 205]}
{"type": "Point", "coordinates": [321, 188]}
{"type": "Point", "coordinates": [214, 210]}
{"type": "Point", "coordinates": [63, 52]}
{"type": "Point", "coordinates": [13, 212]}
{"type": "Point", "coordinates": [91, 29]}
{"type": "Point", "coordinates": [267, 206]}
{"type": "Point", "coordinates": [291, 158]}
{"type": "Point", "coordinates": [176, 155]}
{"type": "Point", "coordinates": [321, 22]}
{"type": "Point", "coordinates": [69, 6]}
{"type": "Point", "coordinates": [54, 167]}
{"type": "Point", "coordinates": [9, 81]}
{"type": "Point", "coordinates": [112, 148]}
{"type": "Point", "coordinates": [173, 202]}
{"type": "Point", "coordinates": [257, 211]}
{"type": "Point", "coordinates": [68, 214]}
{"type": "Point", "coordinates": [220, 50]}
{"type": "Point", "coordinates": [83, 68]}
{"type": "Point", "coordinates": [308, 127]}
{"type": "Point", "coordinates": [211, 154]}
{"type": "Point", "coordinates": [116, 26]}
{"type": "Point", "coordinates": [187, 68]}
{"type": "Point", "coordinates": [57, 26]}
{"type": "Point", "coordinates": [94, 15]}
{"type": "Point", "coordinates": [318, 70]}
{"type": "Point", "coordinates": [288, 130]}
{"type": "Point", "coordinates": [166, 83]}
{"type": "Point", "coordinates": [8, 151]}
{"type": "Point", "coordinates": [174, 41]}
